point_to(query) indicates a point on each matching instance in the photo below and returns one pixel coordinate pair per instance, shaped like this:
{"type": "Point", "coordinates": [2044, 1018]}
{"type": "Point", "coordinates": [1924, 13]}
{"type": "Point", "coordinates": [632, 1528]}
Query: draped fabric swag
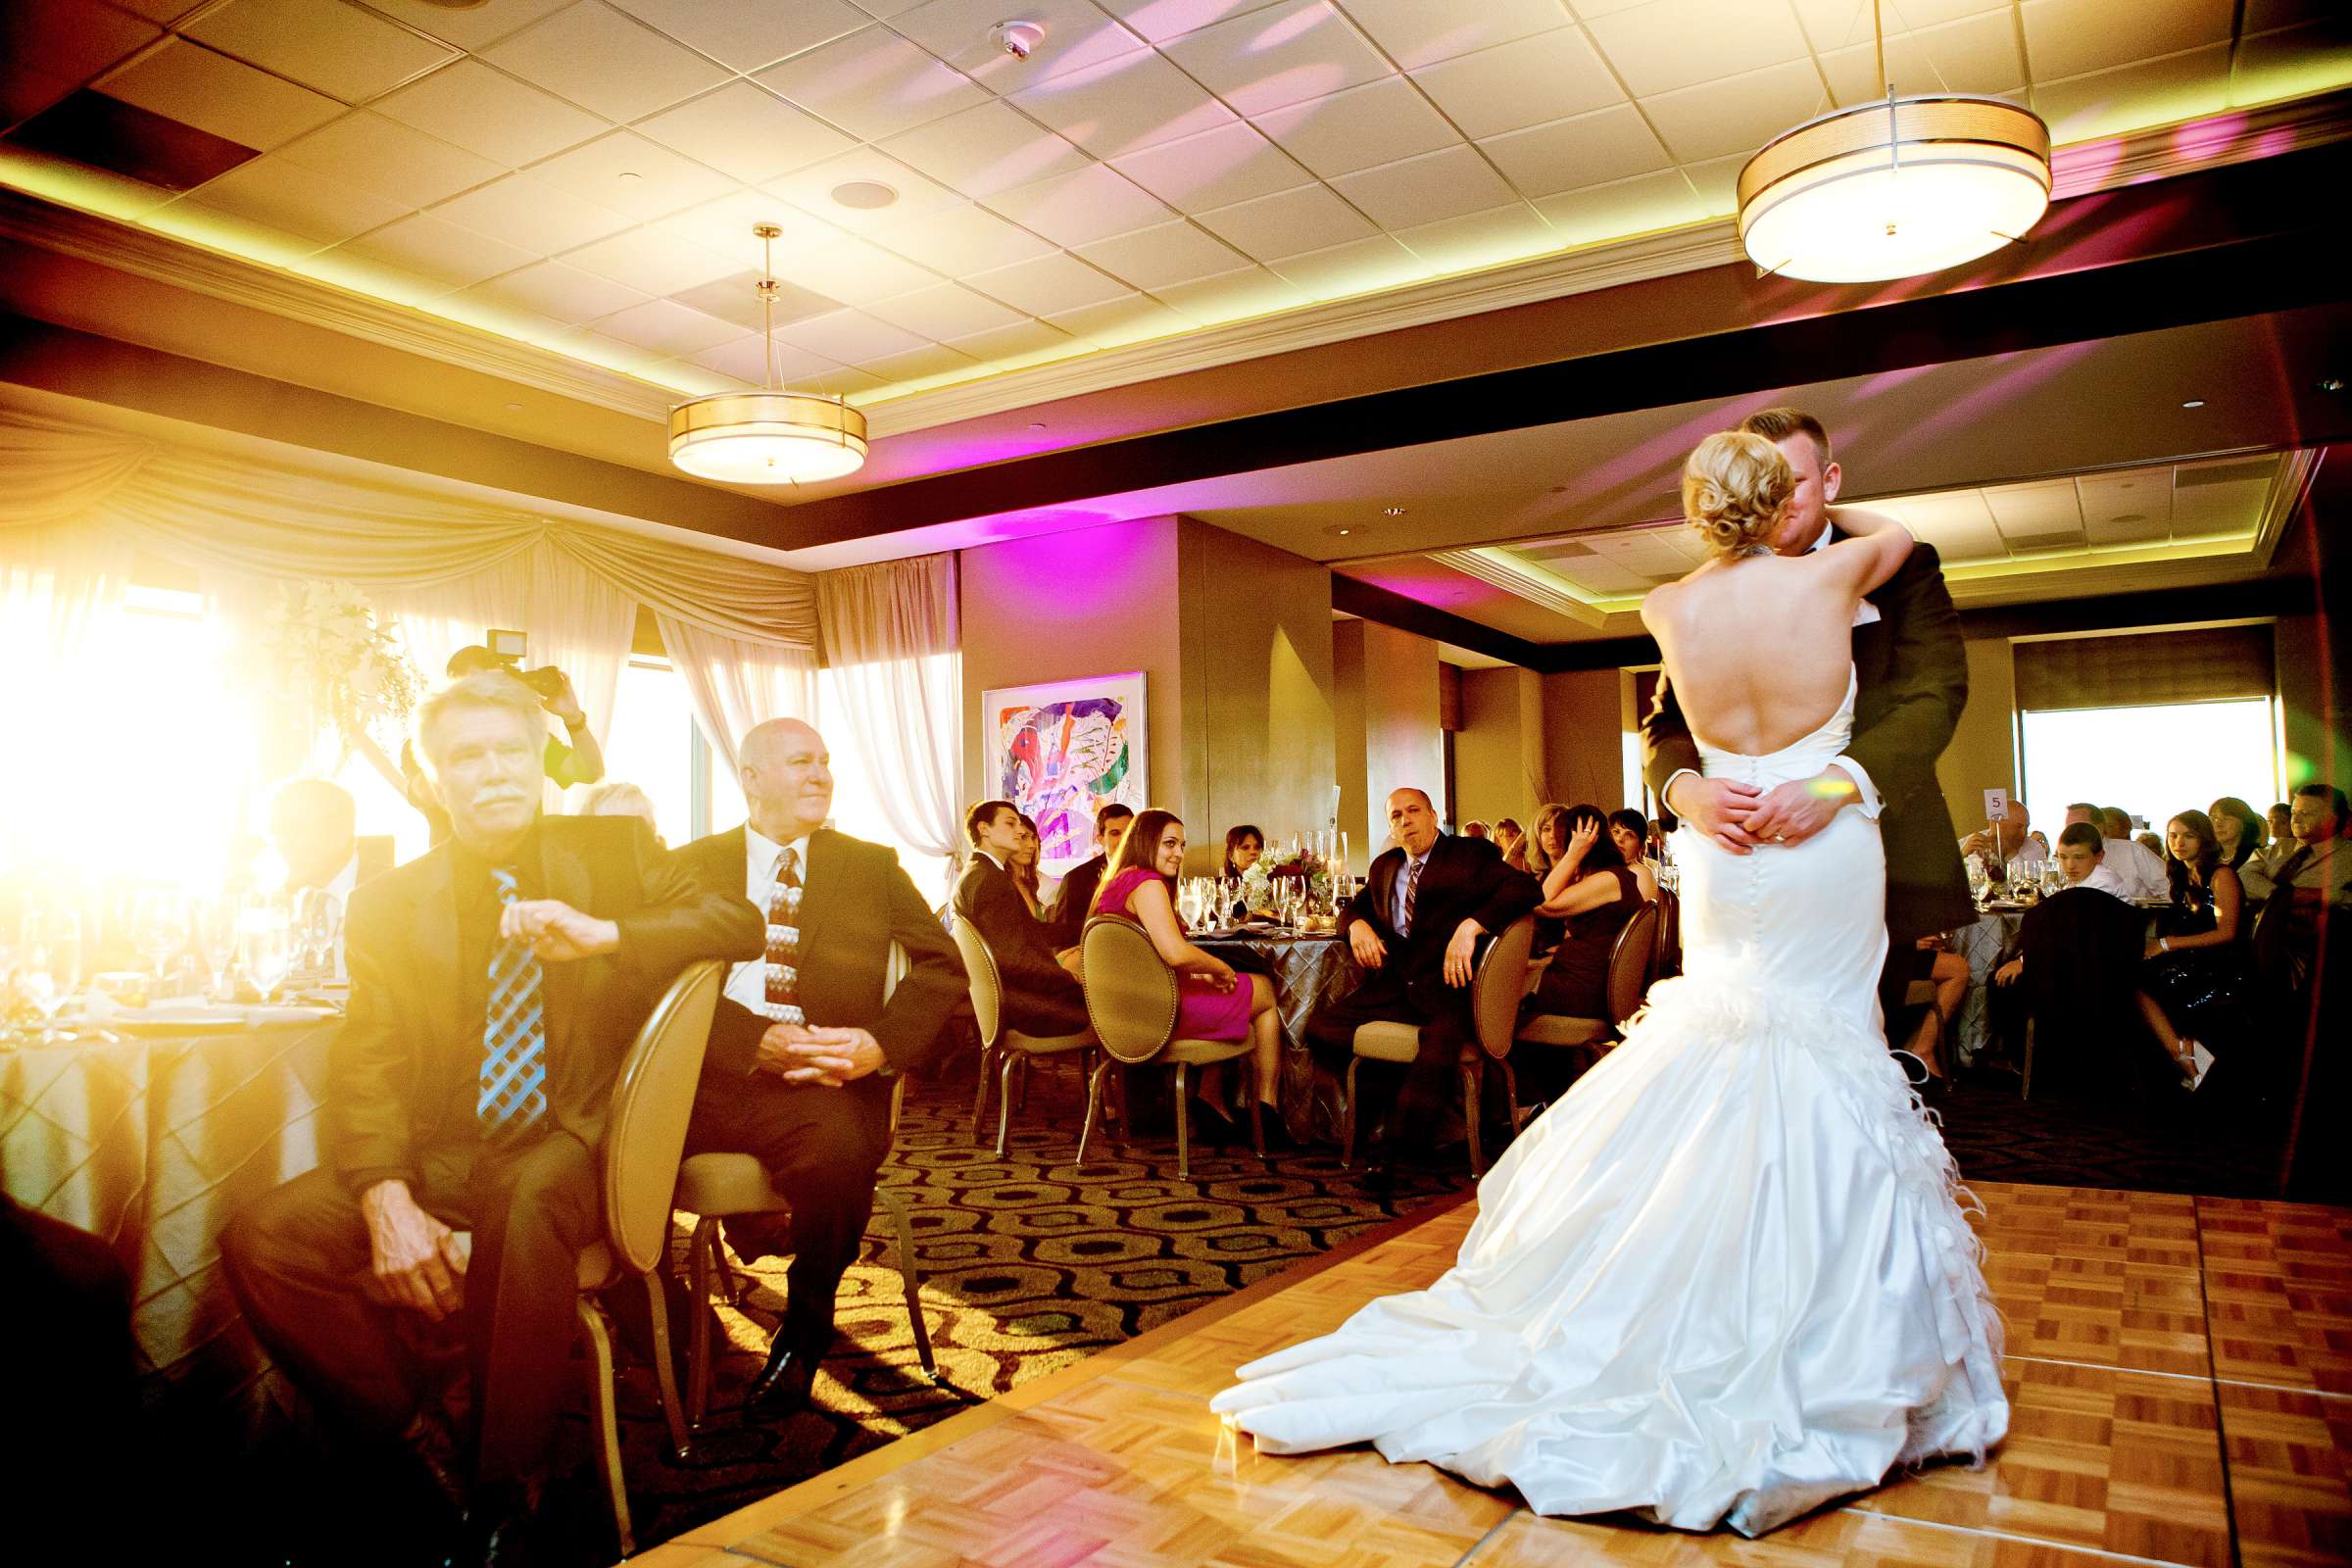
{"type": "Point", "coordinates": [892, 650]}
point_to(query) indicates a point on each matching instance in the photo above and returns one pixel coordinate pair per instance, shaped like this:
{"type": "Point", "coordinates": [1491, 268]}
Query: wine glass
{"type": "Point", "coordinates": [159, 927]}
{"type": "Point", "coordinates": [2053, 880]}
{"type": "Point", "coordinates": [264, 950]}
{"type": "Point", "coordinates": [320, 927]}
{"type": "Point", "coordinates": [50, 972]}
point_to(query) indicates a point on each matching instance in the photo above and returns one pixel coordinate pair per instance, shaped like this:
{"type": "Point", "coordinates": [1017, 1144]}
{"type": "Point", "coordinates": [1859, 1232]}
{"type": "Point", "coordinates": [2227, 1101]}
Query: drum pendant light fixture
{"type": "Point", "coordinates": [769, 436]}
{"type": "Point", "coordinates": [1896, 187]}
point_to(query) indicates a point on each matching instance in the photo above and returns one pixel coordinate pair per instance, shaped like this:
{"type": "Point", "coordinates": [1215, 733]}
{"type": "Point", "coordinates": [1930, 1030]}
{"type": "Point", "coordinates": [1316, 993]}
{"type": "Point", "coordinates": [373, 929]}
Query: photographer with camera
{"type": "Point", "coordinates": [576, 760]}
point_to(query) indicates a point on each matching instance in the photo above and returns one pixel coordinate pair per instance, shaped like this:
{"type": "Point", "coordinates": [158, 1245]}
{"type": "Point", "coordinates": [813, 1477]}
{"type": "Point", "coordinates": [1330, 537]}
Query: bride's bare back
{"type": "Point", "coordinates": [1757, 648]}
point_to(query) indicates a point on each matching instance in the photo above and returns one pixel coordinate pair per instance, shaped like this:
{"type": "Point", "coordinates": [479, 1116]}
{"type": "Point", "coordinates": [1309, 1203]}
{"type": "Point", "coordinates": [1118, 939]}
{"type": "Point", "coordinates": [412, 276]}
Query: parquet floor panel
{"type": "Point", "coordinates": [2180, 1374]}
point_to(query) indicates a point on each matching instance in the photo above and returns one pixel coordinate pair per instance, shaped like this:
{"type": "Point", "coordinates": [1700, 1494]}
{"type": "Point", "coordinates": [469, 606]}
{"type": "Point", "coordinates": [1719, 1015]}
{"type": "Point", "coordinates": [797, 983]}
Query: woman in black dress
{"type": "Point", "coordinates": [1596, 892]}
{"type": "Point", "coordinates": [2192, 976]}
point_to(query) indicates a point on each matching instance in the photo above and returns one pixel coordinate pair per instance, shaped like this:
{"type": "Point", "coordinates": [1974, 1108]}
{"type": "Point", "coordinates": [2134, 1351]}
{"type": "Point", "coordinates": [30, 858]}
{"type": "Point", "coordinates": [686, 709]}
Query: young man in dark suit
{"type": "Point", "coordinates": [497, 981]}
{"type": "Point", "coordinates": [1041, 997]}
{"type": "Point", "coordinates": [805, 1044]}
{"type": "Point", "coordinates": [1911, 680]}
{"type": "Point", "coordinates": [1076, 900]}
{"type": "Point", "coordinates": [1414, 930]}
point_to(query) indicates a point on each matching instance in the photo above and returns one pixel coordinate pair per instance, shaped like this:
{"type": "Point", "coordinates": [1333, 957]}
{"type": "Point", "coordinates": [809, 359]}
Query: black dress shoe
{"type": "Point", "coordinates": [782, 1386]}
{"type": "Point", "coordinates": [1212, 1126]}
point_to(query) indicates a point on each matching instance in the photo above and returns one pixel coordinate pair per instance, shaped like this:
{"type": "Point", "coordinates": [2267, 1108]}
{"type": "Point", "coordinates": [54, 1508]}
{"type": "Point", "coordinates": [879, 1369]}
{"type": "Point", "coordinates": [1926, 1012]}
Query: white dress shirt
{"type": "Point", "coordinates": [2143, 874]}
{"type": "Point", "coordinates": [746, 982]}
{"type": "Point", "coordinates": [2105, 880]}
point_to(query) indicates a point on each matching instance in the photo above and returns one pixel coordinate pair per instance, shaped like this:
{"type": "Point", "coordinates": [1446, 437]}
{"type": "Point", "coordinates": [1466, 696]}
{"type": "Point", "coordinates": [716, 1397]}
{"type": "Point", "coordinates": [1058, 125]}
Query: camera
{"type": "Point", "coordinates": [510, 647]}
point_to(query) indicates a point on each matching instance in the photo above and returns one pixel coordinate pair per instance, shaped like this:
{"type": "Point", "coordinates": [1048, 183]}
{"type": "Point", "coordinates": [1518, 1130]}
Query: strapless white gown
{"type": "Point", "coordinates": [1727, 1277]}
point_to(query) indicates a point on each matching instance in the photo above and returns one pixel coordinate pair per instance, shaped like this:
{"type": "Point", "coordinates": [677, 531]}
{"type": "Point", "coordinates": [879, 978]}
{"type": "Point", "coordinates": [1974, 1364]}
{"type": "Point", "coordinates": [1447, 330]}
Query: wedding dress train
{"type": "Point", "coordinates": [1727, 1277]}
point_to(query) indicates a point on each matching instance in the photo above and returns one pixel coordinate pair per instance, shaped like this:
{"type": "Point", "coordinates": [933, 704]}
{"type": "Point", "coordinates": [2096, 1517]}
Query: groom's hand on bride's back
{"type": "Point", "coordinates": [1796, 810]}
{"type": "Point", "coordinates": [1719, 807]}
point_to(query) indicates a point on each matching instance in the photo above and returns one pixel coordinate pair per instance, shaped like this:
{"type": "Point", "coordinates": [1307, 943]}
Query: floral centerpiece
{"type": "Point", "coordinates": [330, 668]}
{"type": "Point", "coordinates": [1300, 865]}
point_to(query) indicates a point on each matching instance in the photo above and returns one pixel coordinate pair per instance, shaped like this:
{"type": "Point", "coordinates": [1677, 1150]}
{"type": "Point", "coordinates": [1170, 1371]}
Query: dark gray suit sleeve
{"type": "Point", "coordinates": [912, 1030]}
{"type": "Point", "coordinates": [1927, 675]}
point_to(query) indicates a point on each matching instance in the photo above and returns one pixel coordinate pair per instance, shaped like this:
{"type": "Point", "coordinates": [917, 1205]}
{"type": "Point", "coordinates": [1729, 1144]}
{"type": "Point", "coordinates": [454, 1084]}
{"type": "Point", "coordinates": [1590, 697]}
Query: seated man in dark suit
{"type": "Point", "coordinates": [1041, 997]}
{"type": "Point", "coordinates": [497, 981]}
{"type": "Point", "coordinates": [1076, 901]}
{"type": "Point", "coordinates": [805, 1044]}
{"type": "Point", "coordinates": [1414, 928]}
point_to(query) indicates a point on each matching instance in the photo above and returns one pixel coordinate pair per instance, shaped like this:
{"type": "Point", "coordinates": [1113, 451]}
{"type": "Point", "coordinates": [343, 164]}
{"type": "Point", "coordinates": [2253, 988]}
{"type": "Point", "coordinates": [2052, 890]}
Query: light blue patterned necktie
{"type": "Point", "coordinates": [513, 1081]}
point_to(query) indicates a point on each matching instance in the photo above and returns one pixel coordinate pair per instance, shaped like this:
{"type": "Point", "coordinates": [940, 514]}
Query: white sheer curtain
{"type": "Point", "coordinates": [734, 684]}
{"type": "Point", "coordinates": [892, 656]}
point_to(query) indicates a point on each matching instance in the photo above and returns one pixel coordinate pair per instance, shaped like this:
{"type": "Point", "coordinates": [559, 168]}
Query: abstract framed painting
{"type": "Point", "coordinates": [1060, 750]}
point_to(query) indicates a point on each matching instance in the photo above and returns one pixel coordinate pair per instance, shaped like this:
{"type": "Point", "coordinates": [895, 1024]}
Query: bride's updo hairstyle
{"type": "Point", "coordinates": [1736, 488]}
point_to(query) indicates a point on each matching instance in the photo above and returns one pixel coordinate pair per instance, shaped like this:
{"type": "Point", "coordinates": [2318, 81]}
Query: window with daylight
{"type": "Point", "coordinates": [2152, 760]}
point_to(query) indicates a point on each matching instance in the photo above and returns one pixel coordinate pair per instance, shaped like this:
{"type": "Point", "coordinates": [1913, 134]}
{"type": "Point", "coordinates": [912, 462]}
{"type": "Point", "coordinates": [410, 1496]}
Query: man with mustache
{"type": "Point", "coordinates": [497, 981]}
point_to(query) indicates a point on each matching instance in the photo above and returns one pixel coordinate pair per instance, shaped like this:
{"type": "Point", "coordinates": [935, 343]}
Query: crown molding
{"type": "Point", "coordinates": [2151, 153]}
{"type": "Point", "coordinates": [1526, 580]}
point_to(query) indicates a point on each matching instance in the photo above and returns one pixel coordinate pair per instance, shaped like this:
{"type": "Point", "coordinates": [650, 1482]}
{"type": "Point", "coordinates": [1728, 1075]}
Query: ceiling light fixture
{"type": "Point", "coordinates": [1392, 511]}
{"type": "Point", "coordinates": [1895, 187]}
{"type": "Point", "coordinates": [2194, 403]}
{"type": "Point", "coordinates": [769, 436]}
{"type": "Point", "coordinates": [865, 195]}
{"type": "Point", "coordinates": [1016, 38]}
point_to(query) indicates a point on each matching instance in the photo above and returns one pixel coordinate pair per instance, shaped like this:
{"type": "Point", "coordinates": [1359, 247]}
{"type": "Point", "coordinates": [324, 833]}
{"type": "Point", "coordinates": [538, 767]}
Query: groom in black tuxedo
{"type": "Point", "coordinates": [1414, 931]}
{"type": "Point", "coordinates": [1911, 678]}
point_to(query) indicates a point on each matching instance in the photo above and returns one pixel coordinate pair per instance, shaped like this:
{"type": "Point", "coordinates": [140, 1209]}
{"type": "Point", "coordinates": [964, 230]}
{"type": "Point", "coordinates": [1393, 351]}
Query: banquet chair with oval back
{"type": "Point", "coordinates": [1666, 959]}
{"type": "Point", "coordinates": [1004, 1051]}
{"type": "Point", "coordinates": [1632, 969]}
{"type": "Point", "coordinates": [1132, 996]}
{"type": "Point", "coordinates": [717, 1186]}
{"type": "Point", "coordinates": [1496, 987]}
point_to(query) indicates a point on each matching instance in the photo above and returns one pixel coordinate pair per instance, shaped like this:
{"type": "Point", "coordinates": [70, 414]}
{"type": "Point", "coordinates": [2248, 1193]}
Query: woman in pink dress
{"type": "Point", "coordinates": [1216, 1003]}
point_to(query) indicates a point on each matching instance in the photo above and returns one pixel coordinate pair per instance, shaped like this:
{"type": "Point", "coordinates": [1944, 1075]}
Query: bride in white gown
{"type": "Point", "coordinates": [1726, 1277]}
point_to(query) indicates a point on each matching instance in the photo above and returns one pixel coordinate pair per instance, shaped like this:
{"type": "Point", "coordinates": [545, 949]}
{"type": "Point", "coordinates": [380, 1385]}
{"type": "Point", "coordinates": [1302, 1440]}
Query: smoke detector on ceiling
{"type": "Point", "coordinates": [1016, 38]}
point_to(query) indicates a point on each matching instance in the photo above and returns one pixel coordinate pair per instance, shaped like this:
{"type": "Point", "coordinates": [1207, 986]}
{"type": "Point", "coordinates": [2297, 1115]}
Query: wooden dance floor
{"type": "Point", "coordinates": [2180, 1371]}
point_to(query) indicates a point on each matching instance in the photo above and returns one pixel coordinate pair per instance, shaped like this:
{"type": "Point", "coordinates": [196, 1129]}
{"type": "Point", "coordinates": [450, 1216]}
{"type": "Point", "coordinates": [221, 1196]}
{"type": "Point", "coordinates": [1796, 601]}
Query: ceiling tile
{"type": "Point", "coordinates": [747, 35]}
{"type": "Point", "coordinates": [2105, 101]}
{"type": "Point", "coordinates": [198, 87]}
{"type": "Point", "coordinates": [560, 291]}
{"type": "Point", "coordinates": [1128, 319]}
{"type": "Point", "coordinates": [1417, 32]}
{"type": "Point", "coordinates": [847, 336]}
{"type": "Point", "coordinates": [436, 249]}
{"type": "Point", "coordinates": [746, 132]}
{"type": "Point", "coordinates": [629, 174]}
{"type": "Point", "coordinates": [338, 49]}
{"type": "Point", "coordinates": [1233, 296]}
{"type": "Point", "coordinates": [1976, 54]}
{"type": "Point", "coordinates": [1523, 83]}
{"type": "Point", "coordinates": [724, 228]}
{"type": "Point", "coordinates": [1287, 54]}
{"type": "Point", "coordinates": [1309, 219]}
{"type": "Point", "coordinates": [1376, 124]}
{"type": "Point", "coordinates": [1636, 205]}
{"type": "Point", "coordinates": [2264, 15]}
{"type": "Point", "coordinates": [915, 365]}
{"type": "Point", "coordinates": [812, 190]}
{"type": "Point", "coordinates": [284, 194]}
{"type": "Point", "coordinates": [738, 299]}
{"type": "Point", "coordinates": [25, 92]}
{"type": "Point", "coordinates": [2032, 509]}
{"type": "Point", "coordinates": [1018, 341]}
{"type": "Point", "coordinates": [944, 311]}
{"type": "Point", "coordinates": [653, 262]}
{"type": "Point", "coordinates": [668, 328]}
{"type": "Point", "coordinates": [1839, 23]}
{"type": "Point", "coordinates": [1613, 143]}
{"type": "Point", "coordinates": [1091, 203]}
{"type": "Point", "coordinates": [987, 148]}
{"type": "Point", "coordinates": [1490, 238]}
{"type": "Point", "coordinates": [527, 212]}
{"type": "Point", "coordinates": [2291, 62]}
{"type": "Point", "coordinates": [2069, 38]}
{"type": "Point", "coordinates": [135, 159]}
{"type": "Point", "coordinates": [1231, 164]}
{"type": "Point", "coordinates": [854, 271]}
{"type": "Point", "coordinates": [962, 239]}
{"type": "Point", "coordinates": [1163, 19]}
{"type": "Point", "coordinates": [1680, 43]}
{"type": "Point", "coordinates": [489, 113]}
{"type": "Point", "coordinates": [1077, 35]}
{"type": "Point", "coordinates": [1361, 266]}
{"type": "Point", "coordinates": [189, 218]}
{"type": "Point", "coordinates": [1124, 105]}
{"type": "Point", "coordinates": [390, 159]}
{"type": "Point", "coordinates": [846, 382]}
{"type": "Point", "coordinates": [745, 359]}
{"type": "Point", "coordinates": [1738, 114]}
{"type": "Point", "coordinates": [67, 40]}
{"type": "Point", "coordinates": [1424, 189]}
{"type": "Point", "coordinates": [872, 84]}
{"type": "Point", "coordinates": [1163, 253]}
{"type": "Point", "coordinates": [471, 27]}
{"type": "Point", "coordinates": [1049, 285]}
{"type": "Point", "coordinates": [604, 61]}
{"type": "Point", "coordinates": [1717, 182]}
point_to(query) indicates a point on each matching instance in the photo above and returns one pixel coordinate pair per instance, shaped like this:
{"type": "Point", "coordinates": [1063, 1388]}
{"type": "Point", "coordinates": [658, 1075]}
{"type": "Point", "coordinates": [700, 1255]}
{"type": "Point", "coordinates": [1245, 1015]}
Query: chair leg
{"type": "Point", "coordinates": [1013, 1061]}
{"type": "Point", "coordinates": [988, 1059]}
{"type": "Point", "coordinates": [665, 1375]}
{"type": "Point", "coordinates": [1473, 1080]}
{"type": "Point", "coordinates": [2026, 1089]}
{"type": "Point", "coordinates": [1184, 1130]}
{"type": "Point", "coordinates": [700, 1249]}
{"type": "Point", "coordinates": [1348, 1118]}
{"type": "Point", "coordinates": [607, 1424]}
{"type": "Point", "coordinates": [1023, 1108]}
{"type": "Point", "coordinates": [1094, 1105]}
{"type": "Point", "coordinates": [910, 1278]}
{"type": "Point", "coordinates": [1510, 1093]}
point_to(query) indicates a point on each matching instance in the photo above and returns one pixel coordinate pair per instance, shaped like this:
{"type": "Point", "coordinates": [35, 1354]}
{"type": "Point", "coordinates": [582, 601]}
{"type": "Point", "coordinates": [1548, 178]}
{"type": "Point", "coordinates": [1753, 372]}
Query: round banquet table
{"type": "Point", "coordinates": [151, 1141]}
{"type": "Point", "coordinates": [1307, 971]}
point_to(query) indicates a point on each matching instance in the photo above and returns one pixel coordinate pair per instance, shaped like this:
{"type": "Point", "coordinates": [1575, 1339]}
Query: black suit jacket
{"type": "Point", "coordinates": [1911, 682]}
{"type": "Point", "coordinates": [1465, 879]}
{"type": "Point", "coordinates": [1076, 901]}
{"type": "Point", "coordinates": [855, 900]}
{"type": "Point", "coordinates": [1041, 997]}
{"type": "Point", "coordinates": [406, 1046]}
